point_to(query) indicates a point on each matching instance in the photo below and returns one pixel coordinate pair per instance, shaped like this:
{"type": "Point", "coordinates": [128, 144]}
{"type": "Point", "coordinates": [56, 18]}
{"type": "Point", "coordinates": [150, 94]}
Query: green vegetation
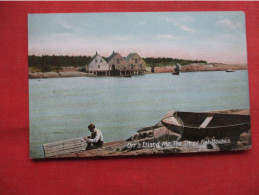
{"type": "Point", "coordinates": [152, 62]}
{"type": "Point", "coordinates": [55, 63]}
{"type": "Point", "coordinates": [48, 63]}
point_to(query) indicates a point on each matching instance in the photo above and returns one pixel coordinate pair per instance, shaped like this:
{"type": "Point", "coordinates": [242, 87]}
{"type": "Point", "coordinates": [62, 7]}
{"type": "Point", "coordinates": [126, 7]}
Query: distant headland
{"type": "Point", "coordinates": [115, 65]}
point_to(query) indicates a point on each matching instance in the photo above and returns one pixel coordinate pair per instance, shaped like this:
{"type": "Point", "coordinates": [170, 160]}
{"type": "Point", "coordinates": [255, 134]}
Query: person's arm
{"type": "Point", "coordinates": [97, 137]}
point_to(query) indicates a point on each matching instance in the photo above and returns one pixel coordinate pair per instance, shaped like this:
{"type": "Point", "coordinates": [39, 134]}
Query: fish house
{"type": "Point", "coordinates": [118, 65]}
{"type": "Point", "coordinates": [136, 63]}
{"type": "Point", "coordinates": [98, 66]}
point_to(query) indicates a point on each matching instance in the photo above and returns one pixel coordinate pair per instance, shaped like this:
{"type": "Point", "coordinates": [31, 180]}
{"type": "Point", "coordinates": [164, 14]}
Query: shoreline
{"type": "Point", "coordinates": [143, 136]}
{"type": "Point", "coordinates": [194, 67]}
{"type": "Point", "coordinates": [45, 75]}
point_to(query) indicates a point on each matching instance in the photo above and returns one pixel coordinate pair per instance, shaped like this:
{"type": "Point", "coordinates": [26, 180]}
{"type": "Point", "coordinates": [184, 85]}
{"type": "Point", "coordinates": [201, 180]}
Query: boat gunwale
{"type": "Point", "coordinates": [197, 127]}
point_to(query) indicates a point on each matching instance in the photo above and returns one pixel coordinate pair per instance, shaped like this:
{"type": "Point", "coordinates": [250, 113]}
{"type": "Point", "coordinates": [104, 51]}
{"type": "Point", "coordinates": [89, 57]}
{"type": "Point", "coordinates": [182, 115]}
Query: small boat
{"type": "Point", "coordinates": [177, 68]}
{"type": "Point", "coordinates": [127, 75]}
{"type": "Point", "coordinates": [230, 70]}
{"type": "Point", "coordinates": [175, 73]}
{"type": "Point", "coordinates": [195, 126]}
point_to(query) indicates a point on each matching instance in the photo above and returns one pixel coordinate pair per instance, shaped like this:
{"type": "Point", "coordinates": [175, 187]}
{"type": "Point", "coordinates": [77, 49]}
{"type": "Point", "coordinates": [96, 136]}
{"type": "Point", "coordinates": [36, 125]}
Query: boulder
{"type": "Point", "coordinates": [50, 75]}
{"type": "Point", "coordinates": [35, 75]}
{"type": "Point", "coordinates": [73, 74]}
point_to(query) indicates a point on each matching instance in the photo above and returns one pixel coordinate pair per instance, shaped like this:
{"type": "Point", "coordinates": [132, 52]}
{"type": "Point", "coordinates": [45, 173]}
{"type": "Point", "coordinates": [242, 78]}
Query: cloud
{"type": "Point", "coordinates": [228, 23]}
{"type": "Point", "coordinates": [179, 22]}
{"type": "Point", "coordinates": [165, 36]}
{"type": "Point", "coordinates": [184, 27]}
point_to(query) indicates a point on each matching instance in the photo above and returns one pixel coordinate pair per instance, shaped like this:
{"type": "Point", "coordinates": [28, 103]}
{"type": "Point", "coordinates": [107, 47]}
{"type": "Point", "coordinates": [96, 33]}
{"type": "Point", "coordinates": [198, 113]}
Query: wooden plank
{"type": "Point", "coordinates": [63, 142]}
{"type": "Point", "coordinates": [62, 148]}
{"type": "Point", "coordinates": [62, 153]}
{"type": "Point", "coordinates": [65, 150]}
{"type": "Point", "coordinates": [64, 145]}
{"type": "Point", "coordinates": [54, 153]}
{"type": "Point", "coordinates": [206, 122]}
{"type": "Point", "coordinates": [172, 120]}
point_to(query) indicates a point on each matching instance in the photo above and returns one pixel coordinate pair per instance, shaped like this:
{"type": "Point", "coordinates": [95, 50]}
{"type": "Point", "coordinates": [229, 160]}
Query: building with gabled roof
{"type": "Point", "coordinates": [136, 63]}
{"type": "Point", "coordinates": [118, 64]}
{"type": "Point", "coordinates": [98, 65]}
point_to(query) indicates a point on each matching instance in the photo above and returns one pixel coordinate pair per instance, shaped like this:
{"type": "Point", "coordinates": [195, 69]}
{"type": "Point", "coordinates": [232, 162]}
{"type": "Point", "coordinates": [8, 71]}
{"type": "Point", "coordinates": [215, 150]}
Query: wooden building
{"type": "Point", "coordinates": [98, 66]}
{"type": "Point", "coordinates": [136, 63]}
{"type": "Point", "coordinates": [118, 65]}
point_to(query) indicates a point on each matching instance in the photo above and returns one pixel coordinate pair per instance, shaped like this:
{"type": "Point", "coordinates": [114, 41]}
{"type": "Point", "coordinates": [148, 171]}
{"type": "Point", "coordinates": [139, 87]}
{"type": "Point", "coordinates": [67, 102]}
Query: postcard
{"type": "Point", "coordinates": [137, 83]}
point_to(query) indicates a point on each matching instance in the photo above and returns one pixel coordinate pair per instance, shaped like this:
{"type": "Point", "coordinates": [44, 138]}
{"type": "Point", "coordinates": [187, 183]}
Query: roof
{"type": "Point", "coordinates": [131, 55]}
{"type": "Point", "coordinates": [111, 56]}
{"type": "Point", "coordinates": [94, 58]}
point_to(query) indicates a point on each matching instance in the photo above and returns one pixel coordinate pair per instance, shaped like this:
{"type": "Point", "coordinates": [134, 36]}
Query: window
{"type": "Point", "coordinates": [136, 60]}
{"type": "Point", "coordinates": [96, 60]}
{"type": "Point", "coordinates": [98, 66]}
{"type": "Point", "coordinates": [101, 60]}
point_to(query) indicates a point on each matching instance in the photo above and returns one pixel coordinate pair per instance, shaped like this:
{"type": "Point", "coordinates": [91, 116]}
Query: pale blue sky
{"type": "Point", "coordinates": [211, 36]}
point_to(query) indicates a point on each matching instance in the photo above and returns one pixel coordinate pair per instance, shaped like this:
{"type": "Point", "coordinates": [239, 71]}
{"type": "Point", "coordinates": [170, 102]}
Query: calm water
{"type": "Point", "coordinates": [62, 108]}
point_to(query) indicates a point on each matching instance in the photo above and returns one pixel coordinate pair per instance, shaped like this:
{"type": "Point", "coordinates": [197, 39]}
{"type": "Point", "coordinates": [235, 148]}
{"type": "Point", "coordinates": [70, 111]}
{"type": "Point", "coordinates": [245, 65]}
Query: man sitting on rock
{"type": "Point", "coordinates": [96, 138]}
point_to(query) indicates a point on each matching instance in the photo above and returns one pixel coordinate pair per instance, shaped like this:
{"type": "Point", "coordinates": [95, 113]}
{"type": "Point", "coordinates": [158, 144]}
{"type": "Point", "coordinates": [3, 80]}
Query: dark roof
{"type": "Point", "coordinates": [131, 55]}
{"type": "Point", "coordinates": [111, 56]}
{"type": "Point", "coordinates": [92, 58]}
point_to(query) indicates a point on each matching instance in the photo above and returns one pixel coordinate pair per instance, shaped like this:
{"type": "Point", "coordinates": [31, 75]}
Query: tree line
{"type": "Point", "coordinates": [160, 61]}
{"type": "Point", "coordinates": [47, 63]}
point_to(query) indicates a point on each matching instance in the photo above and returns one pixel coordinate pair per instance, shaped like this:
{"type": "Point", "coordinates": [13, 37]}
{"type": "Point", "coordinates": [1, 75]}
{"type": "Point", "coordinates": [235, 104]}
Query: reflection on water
{"type": "Point", "coordinates": [62, 108]}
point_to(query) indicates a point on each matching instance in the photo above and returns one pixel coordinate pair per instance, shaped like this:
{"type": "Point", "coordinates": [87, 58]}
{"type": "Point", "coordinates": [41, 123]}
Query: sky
{"type": "Point", "coordinates": [210, 36]}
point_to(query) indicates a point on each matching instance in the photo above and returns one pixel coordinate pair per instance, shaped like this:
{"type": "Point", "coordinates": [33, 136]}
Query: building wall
{"type": "Point", "coordinates": [119, 62]}
{"type": "Point", "coordinates": [97, 64]}
{"type": "Point", "coordinates": [136, 63]}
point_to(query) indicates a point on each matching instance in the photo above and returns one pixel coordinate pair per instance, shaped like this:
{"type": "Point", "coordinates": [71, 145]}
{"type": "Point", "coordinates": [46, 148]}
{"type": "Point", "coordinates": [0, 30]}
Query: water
{"type": "Point", "coordinates": [62, 108]}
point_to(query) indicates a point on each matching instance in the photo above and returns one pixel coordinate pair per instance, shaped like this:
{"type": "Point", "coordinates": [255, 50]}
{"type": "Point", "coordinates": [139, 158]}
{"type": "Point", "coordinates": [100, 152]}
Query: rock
{"type": "Point", "coordinates": [73, 74]}
{"type": "Point", "coordinates": [239, 143]}
{"type": "Point", "coordinates": [164, 69]}
{"type": "Point", "coordinates": [35, 75]}
{"type": "Point", "coordinates": [70, 69]}
{"type": "Point", "coordinates": [50, 75]}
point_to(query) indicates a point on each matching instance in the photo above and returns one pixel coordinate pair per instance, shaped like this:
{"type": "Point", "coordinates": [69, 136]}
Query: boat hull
{"type": "Point", "coordinates": [189, 125]}
{"type": "Point", "coordinates": [195, 134]}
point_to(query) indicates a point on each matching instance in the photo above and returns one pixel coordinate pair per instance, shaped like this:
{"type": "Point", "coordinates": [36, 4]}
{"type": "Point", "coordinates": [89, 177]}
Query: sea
{"type": "Point", "coordinates": [62, 108]}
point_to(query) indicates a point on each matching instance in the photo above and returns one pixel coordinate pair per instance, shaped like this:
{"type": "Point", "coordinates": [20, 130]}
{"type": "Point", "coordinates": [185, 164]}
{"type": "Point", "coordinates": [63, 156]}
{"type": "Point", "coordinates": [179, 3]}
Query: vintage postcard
{"type": "Point", "coordinates": [137, 83]}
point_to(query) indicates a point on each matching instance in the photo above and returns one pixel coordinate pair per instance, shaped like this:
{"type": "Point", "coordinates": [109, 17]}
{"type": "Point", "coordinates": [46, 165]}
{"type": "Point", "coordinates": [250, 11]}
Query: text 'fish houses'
{"type": "Point", "coordinates": [116, 65]}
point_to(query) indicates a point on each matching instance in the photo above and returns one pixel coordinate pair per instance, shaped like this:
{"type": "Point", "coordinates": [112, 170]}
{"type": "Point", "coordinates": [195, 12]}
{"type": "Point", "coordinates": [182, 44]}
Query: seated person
{"type": "Point", "coordinates": [96, 138]}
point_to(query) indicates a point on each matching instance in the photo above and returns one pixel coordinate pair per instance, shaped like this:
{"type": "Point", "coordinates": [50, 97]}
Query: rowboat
{"type": "Point", "coordinates": [195, 126]}
{"type": "Point", "coordinates": [175, 73]}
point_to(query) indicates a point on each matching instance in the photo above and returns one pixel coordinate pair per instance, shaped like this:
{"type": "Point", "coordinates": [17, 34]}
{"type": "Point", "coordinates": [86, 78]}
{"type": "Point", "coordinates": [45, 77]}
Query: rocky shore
{"type": "Point", "coordinates": [145, 142]}
{"type": "Point", "coordinates": [202, 67]}
{"type": "Point", "coordinates": [37, 75]}
{"type": "Point", "coordinates": [77, 72]}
